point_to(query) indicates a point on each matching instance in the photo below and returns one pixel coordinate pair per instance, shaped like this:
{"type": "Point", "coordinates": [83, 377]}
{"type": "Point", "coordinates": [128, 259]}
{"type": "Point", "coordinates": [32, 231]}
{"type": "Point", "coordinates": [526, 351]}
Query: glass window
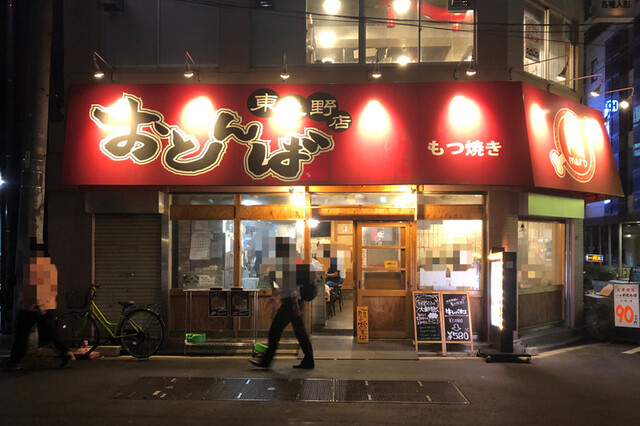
{"type": "Point", "coordinates": [392, 31]}
{"type": "Point", "coordinates": [206, 199]}
{"type": "Point", "coordinates": [332, 31]}
{"type": "Point", "coordinates": [384, 257]}
{"type": "Point", "coordinates": [466, 199]}
{"type": "Point", "coordinates": [559, 46]}
{"type": "Point", "coordinates": [547, 44]}
{"type": "Point", "coordinates": [258, 246]}
{"type": "Point", "coordinates": [444, 36]}
{"type": "Point", "coordinates": [358, 199]}
{"type": "Point", "coordinates": [286, 199]}
{"type": "Point", "coordinates": [331, 245]}
{"type": "Point", "coordinates": [449, 254]}
{"type": "Point", "coordinates": [398, 31]}
{"type": "Point", "coordinates": [541, 254]}
{"type": "Point", "coordinates": [203, 253]}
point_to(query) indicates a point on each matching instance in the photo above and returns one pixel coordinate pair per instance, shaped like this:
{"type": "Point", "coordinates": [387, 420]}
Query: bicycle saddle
{"type": "Point", "coordinates": [127, 304]}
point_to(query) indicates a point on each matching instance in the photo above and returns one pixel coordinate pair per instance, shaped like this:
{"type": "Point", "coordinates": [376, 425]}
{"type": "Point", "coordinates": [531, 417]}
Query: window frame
{"type": "Point", "coordinates": [362, 42]}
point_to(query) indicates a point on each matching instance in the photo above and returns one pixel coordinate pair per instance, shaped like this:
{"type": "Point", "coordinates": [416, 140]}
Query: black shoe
{"type": "Point", "coordinates": [305, 365]}
{"type": "Point", "coordinates": [258, 363]}
{"type": "Point", "coordinates": [67, 357]}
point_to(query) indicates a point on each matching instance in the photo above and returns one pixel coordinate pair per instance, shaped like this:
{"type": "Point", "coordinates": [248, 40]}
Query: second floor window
{"type": "Point", "coordinates": [397, 31]}
{"type": "Point", "coordinates": [548, 44]}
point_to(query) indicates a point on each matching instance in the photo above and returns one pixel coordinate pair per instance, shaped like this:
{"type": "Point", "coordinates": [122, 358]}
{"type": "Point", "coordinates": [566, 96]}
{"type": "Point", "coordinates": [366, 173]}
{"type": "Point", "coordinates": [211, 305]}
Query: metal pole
{"type": "Point", "coordinates": [31, 209]}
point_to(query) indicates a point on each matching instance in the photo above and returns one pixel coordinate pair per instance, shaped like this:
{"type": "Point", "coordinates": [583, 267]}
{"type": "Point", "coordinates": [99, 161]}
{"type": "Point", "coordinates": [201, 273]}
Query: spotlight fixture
{"type": "Point", "coordinates": [190, 72]}
{"type": "Point", "coordinates": [624, 104]}
{"type": "Point", "coordinates": [99, 70]}
{"type": "Point", "coordinates": [375, 72]}
{"type": "Point", "coordinates": [562, 76]}
{"type": "Point", "coordinates": [284, 74]}
{"type": "Point", "coordinates": [471, 68]}
{"type": "Point", "coordinates": [595, 92]}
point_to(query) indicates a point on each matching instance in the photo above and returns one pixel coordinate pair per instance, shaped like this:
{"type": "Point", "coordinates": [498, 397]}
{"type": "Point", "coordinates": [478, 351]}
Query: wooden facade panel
{"type": "Point", "coordinates": [362, 213]}
{"type": "Point", "coordinates": [451, 212]}
{"type": "Point", "coordinates": [200, 212]}
{"type": "Point", "coordinates": [200, 320]}
{"type": "Point", "coordinates": [478, 319]}
{"type": "Point", "coordinates": [270, 212]}
{"type": "Point", "coordinates": [387, 316]}
{"type": "Point", "coordinates": [540, 308]}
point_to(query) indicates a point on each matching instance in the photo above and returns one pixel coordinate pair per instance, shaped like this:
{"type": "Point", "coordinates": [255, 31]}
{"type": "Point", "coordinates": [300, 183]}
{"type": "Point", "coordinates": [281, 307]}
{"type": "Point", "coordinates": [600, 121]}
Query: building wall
{"type": "Point", "coordinates": [242, 45]}
{"type": "Point", "coordinates": [612, 49]}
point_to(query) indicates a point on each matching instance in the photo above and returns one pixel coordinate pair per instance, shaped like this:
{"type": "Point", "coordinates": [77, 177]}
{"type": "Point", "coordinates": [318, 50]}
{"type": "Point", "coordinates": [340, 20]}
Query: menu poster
{"type": "Point", "coordinates": [625, 300]}
{"type": "Point", "coordinates": [427, 317]}
{"type": "Point", "coordinates": [218, 303]}
{"type": "Point", "coordinates": [457, 325]}
{"type": "Point", "coordinates": [239, 303]}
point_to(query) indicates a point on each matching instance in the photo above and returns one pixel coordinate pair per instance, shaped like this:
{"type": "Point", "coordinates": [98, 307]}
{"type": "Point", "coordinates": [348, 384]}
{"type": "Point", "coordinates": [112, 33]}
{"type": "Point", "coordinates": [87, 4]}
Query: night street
{"type": "Point", "coordinates": [591, 384]}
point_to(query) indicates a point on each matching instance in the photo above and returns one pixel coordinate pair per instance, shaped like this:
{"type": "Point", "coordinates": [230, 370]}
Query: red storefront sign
{"type": "Point", "coordinates": [487, 133]}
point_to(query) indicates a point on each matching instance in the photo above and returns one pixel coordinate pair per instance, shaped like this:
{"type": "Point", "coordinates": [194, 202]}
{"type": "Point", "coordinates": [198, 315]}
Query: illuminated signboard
{"type": "Point", "coordinates": [503, 305]}
{"type": "Point", "coordinates": [347, 134]}
{"type": "Point", "coordinates": [497, 299]}
{"type": "Point", "coordinates": [599, 258]}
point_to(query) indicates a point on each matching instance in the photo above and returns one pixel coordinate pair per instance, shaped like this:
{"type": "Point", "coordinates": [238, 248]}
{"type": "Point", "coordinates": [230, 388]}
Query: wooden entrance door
{"type": "Point", "coordinates": [382, 258]}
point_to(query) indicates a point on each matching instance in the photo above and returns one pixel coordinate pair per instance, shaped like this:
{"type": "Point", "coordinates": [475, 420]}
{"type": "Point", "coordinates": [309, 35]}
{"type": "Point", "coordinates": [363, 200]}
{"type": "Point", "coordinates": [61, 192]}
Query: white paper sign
{"type": "Point", "coordinates": [625, 301]}
{"type": "Point", "coordinates": [200, 246]}
{"type": "Point", "coordinates": [432, 278]}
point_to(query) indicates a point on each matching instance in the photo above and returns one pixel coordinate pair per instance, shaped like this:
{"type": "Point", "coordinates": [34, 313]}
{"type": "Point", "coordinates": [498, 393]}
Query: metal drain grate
{"type": "Point", "coordinates": [320, 390]}
{"type": "Point", "coordinates": [178, 388]}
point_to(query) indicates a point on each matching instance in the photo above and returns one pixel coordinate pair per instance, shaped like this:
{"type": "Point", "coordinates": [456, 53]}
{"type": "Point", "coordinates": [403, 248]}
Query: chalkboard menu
{"type": "Point", "coordinates": [457, 326]}
{"type": "Point", "coordinates": [442, 317]}
{"type": "Point", "coordinates": [427, 315]}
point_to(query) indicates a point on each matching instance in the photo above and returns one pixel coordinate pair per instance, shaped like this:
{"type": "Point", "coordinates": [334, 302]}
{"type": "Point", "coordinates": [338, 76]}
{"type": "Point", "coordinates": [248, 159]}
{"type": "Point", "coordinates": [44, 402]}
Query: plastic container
{"type": "Point", "coordinates": [196, 337]}
{"type": "Point", "coordinates": [259, 348]}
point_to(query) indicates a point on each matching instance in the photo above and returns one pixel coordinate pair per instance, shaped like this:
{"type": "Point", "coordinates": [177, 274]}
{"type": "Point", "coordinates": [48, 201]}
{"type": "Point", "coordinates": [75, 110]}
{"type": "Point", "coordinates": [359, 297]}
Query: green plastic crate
{"type": "Point", "coordinates": [196, 337]}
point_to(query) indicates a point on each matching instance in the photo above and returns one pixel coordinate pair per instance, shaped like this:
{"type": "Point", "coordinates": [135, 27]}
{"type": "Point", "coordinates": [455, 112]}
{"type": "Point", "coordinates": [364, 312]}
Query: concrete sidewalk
{"type": "Point", "coordinates": [593, 384]}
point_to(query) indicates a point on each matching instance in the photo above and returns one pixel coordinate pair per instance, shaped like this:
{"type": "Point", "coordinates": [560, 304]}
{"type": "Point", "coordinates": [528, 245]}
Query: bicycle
{"type": "Point", "coordinates": [139, 330]}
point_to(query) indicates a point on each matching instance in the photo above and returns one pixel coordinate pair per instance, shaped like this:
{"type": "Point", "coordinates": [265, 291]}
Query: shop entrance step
{"type": "Point", "coordinates": [286, 347]}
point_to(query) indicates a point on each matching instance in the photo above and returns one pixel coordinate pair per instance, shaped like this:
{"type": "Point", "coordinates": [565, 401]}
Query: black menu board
{"type": "Point", "coordinates": [427, 317]}
{"type": "Point", "coordinates": [239, 303]}
{"type": "Point", "coordinates": [455, 308]}
{"type": "Point", "coordinates": [218, 303]}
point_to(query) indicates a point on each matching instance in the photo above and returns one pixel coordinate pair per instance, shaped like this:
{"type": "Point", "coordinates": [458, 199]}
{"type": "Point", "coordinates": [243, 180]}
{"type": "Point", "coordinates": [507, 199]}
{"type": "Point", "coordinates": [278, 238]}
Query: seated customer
{"type": "Point", "coordinates": [333, 276]}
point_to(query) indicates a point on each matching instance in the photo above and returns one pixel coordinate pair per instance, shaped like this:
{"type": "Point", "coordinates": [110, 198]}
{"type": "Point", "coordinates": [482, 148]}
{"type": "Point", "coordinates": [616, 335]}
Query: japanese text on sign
{"type": "Point", "coordinates": [625, 300]}
{"type": "Point", "coordinates": [469, 148]}
{"type": "Point", "coordinates": [615, 4]}
{"type": "Point", "coordinates": [141, 136]}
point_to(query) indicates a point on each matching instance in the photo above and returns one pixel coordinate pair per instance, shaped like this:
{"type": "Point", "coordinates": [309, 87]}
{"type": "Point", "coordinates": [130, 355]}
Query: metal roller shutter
{"type": "Point", "coordinates": [127, 260]}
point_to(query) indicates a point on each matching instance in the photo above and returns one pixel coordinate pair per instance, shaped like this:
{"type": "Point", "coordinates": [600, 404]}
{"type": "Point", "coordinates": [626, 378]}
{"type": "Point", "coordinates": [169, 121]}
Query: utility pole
{"type": "Point", "coordinates": [31, 42]}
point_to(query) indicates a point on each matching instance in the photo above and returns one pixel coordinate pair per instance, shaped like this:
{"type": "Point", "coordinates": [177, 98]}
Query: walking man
{"type": "Point", "coordinates": [291, 306]}
{"type": "Point", "coordinates": [37, 304]}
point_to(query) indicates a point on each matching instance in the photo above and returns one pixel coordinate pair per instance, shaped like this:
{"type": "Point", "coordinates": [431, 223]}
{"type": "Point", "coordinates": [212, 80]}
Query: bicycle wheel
{"type": "Point", "coordinates": [77, 327]}
{"type": "Point", "coordinates": [142, 332]}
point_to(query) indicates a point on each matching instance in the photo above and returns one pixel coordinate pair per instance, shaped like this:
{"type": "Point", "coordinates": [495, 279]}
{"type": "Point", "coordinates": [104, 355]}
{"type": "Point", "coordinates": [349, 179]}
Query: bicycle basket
{"type": "Point", "coordinates": [78, 299]}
